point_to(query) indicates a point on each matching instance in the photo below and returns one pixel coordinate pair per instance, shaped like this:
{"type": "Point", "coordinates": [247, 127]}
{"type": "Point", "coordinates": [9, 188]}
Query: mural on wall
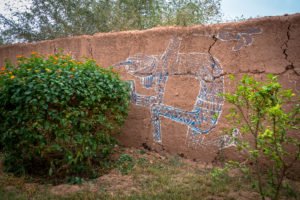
{"type": "Point", "coordinates": [221, 142]}
{"type": "Point", "coordinates": [242, 36]}
{"type": "Point", "coordinates": [153, 72]}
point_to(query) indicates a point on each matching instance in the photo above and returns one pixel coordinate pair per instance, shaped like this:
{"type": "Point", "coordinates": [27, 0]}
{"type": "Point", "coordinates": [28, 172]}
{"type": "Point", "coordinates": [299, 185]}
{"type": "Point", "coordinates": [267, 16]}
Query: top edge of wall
{"type": "Point", "coordinates": [161, 29]}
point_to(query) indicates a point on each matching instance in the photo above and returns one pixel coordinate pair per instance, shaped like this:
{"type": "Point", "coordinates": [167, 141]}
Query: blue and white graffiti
{"type": "Point", "coordinates": [153, 72]}
{"type": "Point", "coordinates": [242, 36]}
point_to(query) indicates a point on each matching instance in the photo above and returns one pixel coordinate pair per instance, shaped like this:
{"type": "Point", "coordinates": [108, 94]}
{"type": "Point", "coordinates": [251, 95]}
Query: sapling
{"type": "Point", "coordinates": [267, 116]}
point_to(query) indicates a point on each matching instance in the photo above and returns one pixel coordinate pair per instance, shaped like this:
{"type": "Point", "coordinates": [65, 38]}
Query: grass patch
{"type": "Point", "coordinates": [148, 176]}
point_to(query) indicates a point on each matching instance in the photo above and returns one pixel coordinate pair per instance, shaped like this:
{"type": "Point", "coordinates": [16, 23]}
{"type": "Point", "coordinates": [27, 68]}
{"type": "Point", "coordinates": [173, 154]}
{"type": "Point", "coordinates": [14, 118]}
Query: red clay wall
{"type": "Point", "coordinates": [177, 73]}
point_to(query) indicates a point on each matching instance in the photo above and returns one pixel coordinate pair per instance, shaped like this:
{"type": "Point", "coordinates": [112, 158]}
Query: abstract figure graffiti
{"type": "Point", "coordinates": [153, 71]}
{"type": "Point", "coordinates": [221, 142]}
{"type": "Point", "coordinates": [243, 37]}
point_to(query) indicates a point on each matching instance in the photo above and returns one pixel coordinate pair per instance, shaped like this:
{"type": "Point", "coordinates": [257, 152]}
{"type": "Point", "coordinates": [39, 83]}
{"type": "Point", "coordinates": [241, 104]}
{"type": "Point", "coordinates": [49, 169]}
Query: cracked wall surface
{"type": "Point", "coordinates": [257, 47]}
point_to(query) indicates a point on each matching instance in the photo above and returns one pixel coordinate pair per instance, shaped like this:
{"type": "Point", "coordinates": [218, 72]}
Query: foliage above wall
{"type": "Point", "coordinates": [49, 19]}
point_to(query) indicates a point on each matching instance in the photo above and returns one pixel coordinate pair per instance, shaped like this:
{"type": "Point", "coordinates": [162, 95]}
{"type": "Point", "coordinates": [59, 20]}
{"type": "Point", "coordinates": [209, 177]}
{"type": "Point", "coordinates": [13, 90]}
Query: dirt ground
{"type": "Point", "coordinates": [147, 175]}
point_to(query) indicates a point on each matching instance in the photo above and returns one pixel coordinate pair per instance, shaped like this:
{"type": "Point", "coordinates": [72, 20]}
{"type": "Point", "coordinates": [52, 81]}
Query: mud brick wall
{"type": "Point", "coordinates": [176, 74]}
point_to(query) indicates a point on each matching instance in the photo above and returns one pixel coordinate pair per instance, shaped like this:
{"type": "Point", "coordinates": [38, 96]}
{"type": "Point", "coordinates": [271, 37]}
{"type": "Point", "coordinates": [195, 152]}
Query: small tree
{"type": "Point", "coordinates": [265, 111]}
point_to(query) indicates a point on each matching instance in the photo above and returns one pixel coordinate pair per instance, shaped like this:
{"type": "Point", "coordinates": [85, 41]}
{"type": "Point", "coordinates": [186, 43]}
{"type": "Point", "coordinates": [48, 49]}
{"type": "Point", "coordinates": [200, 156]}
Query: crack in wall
{"type": "Point", "coordinates": [90, 48]}
{"type": "Point", "coordinates": [254, 72]}
{"type": "Point", "coordinates": [54, 48]}
{"type": "Point", "coordinates": [211, 46]}
{"type": "Point", "coordinates": [214, 37]}
{"type": "Point", "coordinates": [284, 47]}
{"type": "Point", "coordinates": [240, 72]}
{"type": "Point", "coordinates": [226, 73]}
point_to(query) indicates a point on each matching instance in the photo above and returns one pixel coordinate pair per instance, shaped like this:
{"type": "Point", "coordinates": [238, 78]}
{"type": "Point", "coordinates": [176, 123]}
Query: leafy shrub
{"type": "Point", "coordinates": [58, 115]}
{"type": "Point", "coordinates": [260, 111]}
{"type": "Point", "coordinates": [125, 163]}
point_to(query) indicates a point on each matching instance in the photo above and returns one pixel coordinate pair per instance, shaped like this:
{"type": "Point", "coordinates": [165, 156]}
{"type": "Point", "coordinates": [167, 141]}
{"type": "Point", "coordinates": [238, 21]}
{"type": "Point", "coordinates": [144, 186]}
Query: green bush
{"type": "Point", "coordinates": [58, 116]}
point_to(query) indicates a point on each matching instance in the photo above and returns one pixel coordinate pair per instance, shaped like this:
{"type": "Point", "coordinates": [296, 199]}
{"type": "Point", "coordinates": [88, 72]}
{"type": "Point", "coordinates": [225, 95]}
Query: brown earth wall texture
{"type": "Point", "coordinates": [177, 72]}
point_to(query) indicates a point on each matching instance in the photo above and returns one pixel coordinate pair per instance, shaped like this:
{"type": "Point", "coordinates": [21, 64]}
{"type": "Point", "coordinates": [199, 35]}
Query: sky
{"type": "Point", "coordinates": [254, 8]}
{"type": "Point", "coordinates": [230, 8]}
